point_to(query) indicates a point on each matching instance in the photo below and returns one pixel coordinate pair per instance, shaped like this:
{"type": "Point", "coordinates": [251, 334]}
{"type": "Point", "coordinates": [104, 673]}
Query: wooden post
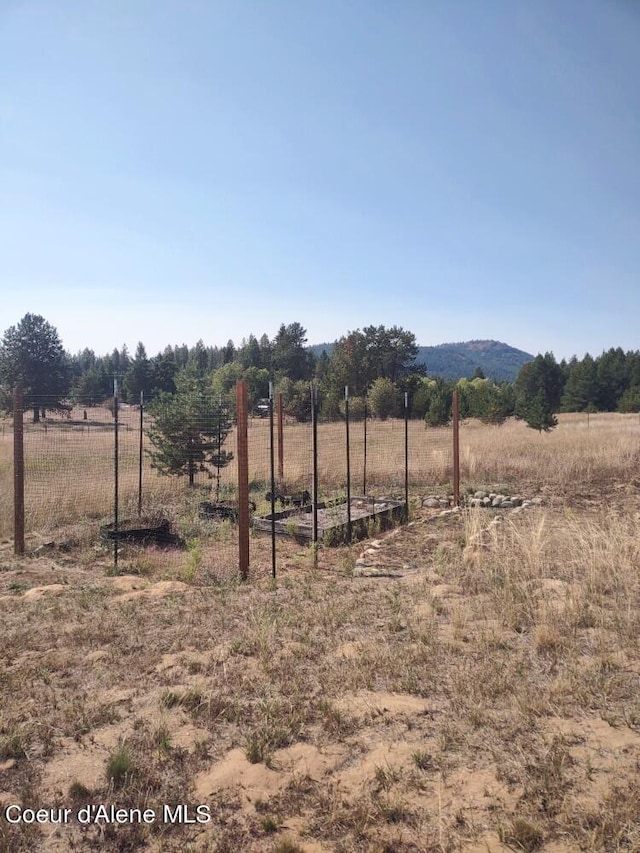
{"type": "Point", "coordinates": [280, 438]}
{"type": "Point", "coordinates": [456, 450]}
{"type": "Point", "coordinates": [243, 480]}
{"type": "Point", "coordinates": [18, 472]}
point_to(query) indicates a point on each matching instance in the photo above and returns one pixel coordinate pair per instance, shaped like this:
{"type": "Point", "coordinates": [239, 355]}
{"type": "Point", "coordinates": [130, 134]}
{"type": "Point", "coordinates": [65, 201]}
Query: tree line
{"type": "Point", "coordinates": [378, 364]}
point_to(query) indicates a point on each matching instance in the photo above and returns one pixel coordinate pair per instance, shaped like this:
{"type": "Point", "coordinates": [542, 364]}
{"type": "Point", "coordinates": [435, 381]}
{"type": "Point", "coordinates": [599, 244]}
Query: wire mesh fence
{"type": "Point", "coordinates": [166, 478]}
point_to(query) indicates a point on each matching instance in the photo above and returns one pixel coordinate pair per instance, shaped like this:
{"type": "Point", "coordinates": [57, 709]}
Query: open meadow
{"type": "Point", "coordinates": [470, 683]}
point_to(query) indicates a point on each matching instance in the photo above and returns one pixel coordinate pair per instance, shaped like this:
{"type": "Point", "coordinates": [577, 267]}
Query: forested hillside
{"type": "Point", "coordinates": [379, 365]}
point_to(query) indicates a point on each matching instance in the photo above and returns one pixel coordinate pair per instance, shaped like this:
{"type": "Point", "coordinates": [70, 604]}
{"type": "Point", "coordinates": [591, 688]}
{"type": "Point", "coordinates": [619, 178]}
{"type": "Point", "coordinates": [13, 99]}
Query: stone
{"type": "Point", "coordinates": [431, 503]}
{"type": "Point", "coordinates": [507, 504]}
{"type": "Point", "coordinates": [537, 501]}
{"type": "Point", "coordinates": [480, 494]}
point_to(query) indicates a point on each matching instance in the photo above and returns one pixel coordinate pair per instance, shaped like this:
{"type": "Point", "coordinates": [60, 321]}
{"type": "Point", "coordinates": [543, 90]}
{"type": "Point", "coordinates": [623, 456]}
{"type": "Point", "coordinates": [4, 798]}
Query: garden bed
{"type": "Point", "coordinates": [369, 515]}
{"type": "Point", "coordinates": [140, 531]}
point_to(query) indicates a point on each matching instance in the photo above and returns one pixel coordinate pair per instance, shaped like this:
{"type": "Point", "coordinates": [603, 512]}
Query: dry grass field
{"type": "Point", "coordinates": [477, 692]}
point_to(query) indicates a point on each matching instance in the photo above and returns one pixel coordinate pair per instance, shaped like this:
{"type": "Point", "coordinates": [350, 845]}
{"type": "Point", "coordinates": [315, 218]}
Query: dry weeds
{"type": "Point", "coordinates": [483, 698]}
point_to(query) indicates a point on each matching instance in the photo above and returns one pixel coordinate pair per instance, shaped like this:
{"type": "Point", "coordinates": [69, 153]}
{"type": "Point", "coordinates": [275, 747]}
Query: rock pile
{"type": "Point", "coordinates": [481, 498]}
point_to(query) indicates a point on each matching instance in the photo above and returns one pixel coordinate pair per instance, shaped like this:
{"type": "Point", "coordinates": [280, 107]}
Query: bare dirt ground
{"type": "Point", "coordinates": [478, 692]}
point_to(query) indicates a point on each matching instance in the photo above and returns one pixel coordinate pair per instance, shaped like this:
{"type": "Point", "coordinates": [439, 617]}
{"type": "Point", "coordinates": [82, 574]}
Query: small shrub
{"type": "Point", "coordinates": [120, 767]}
{"type": "Point", "coordinates": [523, 835]}
{"type": "Point", "coordinates": [269, 824]}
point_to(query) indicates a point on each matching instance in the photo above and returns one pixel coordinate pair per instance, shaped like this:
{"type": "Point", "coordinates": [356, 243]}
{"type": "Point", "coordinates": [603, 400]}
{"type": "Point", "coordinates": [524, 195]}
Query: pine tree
{"type": "Point", "coordinates": [188, 431]}
{"type": "Point", "coordinates": [32, 357]}
{"type": "Point", "coordinates": [581, 387]}
{"type": "Point", "coordinates": [538, 388]}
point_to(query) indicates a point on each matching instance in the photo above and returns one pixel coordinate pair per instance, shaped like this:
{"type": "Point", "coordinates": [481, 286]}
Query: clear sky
{"type": "Point", "coordinates": [180, 169]}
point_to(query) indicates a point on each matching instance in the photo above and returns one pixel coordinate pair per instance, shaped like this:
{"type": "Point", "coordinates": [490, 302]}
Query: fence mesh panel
{"type": "Point", "coordinates": [71, 474]}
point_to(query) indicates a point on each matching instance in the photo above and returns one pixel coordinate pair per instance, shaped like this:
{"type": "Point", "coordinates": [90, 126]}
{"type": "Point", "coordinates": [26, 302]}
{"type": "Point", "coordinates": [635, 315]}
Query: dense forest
{"type": "Point", "coordinates": [378, 364]}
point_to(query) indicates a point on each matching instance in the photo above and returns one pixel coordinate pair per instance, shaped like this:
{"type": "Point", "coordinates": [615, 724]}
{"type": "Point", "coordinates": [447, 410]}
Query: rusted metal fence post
{"type": "Point", "coordinates": [18, 472]}
{"type": "Point", "coordinates": [272, 487]}
{"type": "Point", "coordinates": [406, 456]}
{"type": "Point", "coordinates": [243, 480]}
{"type": "Point", "coordinates": [364, 464]}
{"type": "Point", "coordinates": [314, 453]}
{"type": "Point", "coordinates": [279, 413]}
{"type": "Point", "coordinates": [140, 454]}
{"type": "Point", "coordinates": [456, 450]}
{"type": "Point", "coordinates": [116, 437]}
{"type": "Point", "coordinates": [346, 421]}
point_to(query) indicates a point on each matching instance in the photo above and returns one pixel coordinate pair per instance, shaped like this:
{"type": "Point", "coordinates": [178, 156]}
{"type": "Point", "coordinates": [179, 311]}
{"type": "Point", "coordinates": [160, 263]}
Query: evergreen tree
{"type": "Point", "coordinates": [32, 357]}
{"type": "Point", "coordinates": [198, 360]}
{"type": "Point", "coordinates": [290, 357]}
{"type": "Point", "coordinates": [139, 376]}
{"type": "Point", "coordinates": [350, 365]}
{"type": "Point", "coordinates": [613, 379]}
{"type": "Point", "coordinates": [188, 430]}
{"type": "Point", "coordinates": [94, 386]}
{"type": "Point", "coordinates": [361, 357]}
{"type": "Point", "coordinates": [392, 352]}
{"type": "Point", "coordinates": [266, 352]}
{"type": "Point", "coordinates": [220, 458]}
{"type": "Point", "coordinates": [228, 352]}
{"type": "Point", "coordinates": [163, 372]}
{"type": "Point", "coordinates": [581, 386]}
{"type": "Point", "coordinates": [538, 389]}
{"type": "Point", "coordinates": [249, 354]}
{"type": "Point", "coordinates": [630, 400]}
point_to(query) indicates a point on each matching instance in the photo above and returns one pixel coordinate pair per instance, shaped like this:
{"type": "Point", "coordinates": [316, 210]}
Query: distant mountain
{"type": "Point", "coordinates": [455, 361]}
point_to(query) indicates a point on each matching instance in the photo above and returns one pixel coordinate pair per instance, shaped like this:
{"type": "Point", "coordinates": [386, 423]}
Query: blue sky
{"type": "Point", "coordinates": [173, 170]}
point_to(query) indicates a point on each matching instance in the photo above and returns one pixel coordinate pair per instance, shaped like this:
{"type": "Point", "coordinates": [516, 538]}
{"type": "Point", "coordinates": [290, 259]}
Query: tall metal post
{"type": "Point", "coordinates": [346, 419]}
{"type": "Point", "coordinates": [364, 467]}
{"type": "Point", "coordinates": [116, 408]}
{"type": "Point", "coordinates": [273, 484]}
{"type": "Point", "coordinates": [456, 449]}
{"type": "Point", "coordinates": [406, 456]}
{"type": "Point", "coordinates": [314, 485]}
{"type": "Point", "coordinates": [140, 454]}
{"type": "Point", "coordinates": [243, 480]}
{"type": "Point", "coordinates": [18, 472]}
{"type": "Point", "coordinates": [280, 419]}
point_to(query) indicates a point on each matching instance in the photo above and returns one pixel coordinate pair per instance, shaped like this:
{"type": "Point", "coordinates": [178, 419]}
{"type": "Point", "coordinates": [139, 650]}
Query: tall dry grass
{"type": "Point", "coordinates": [580, 452]}
{"type": "Point", "coordinates": [69, 470]}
